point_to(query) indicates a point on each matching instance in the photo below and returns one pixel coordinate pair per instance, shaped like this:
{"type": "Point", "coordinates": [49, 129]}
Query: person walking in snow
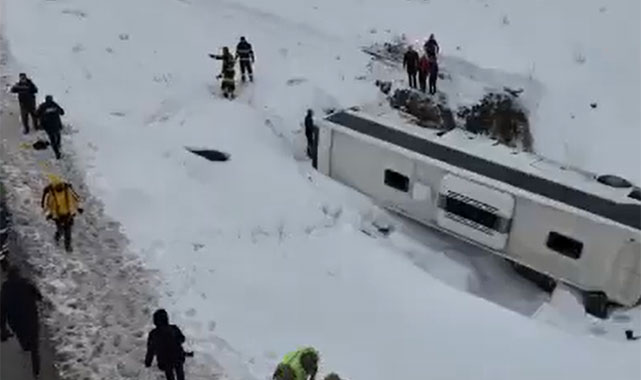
{"type": "Point", "coordinates": [228, 85]}
{"type": "Point", "coordinates": [410, 62]}
{"type": "Point", "coordinates": [310, 132]}
{"type": "Point", "coordinates": [431, 47]}
{"type": "Point", "coordinates": [423, 72]}
{"type": "Point", "coordinates": [26, 91]}
{"type": "Point", "coordinates": [19, 310]}
{"type": "Point", "coordinates": [48, 115]}
{"type": "Point", "coordinates": [165, 343]}
{"type": "Point", "coordinates": [60, 202]}
{"type": "Point", "coordinates": [433, 65]}
{"type": "Point", "coordinates": [298, 365]}
{"type": "Point", "coordinates": [245, 54]}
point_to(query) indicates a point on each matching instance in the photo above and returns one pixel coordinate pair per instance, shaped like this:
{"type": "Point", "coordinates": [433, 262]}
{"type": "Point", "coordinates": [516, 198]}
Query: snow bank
{"type": "Point", "coordinates": [259, 255]}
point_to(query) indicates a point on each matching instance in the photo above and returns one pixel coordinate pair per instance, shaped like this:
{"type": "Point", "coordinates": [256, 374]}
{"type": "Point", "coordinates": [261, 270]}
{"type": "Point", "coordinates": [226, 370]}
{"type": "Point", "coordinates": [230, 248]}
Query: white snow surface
{"type": "Point", "coordinates": [261, 255]}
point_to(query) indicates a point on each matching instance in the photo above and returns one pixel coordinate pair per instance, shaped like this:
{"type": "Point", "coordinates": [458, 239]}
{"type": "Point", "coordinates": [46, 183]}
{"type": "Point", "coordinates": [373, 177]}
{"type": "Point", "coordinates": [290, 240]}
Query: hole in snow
{"type": "Point", "coordinates": [210, 154]}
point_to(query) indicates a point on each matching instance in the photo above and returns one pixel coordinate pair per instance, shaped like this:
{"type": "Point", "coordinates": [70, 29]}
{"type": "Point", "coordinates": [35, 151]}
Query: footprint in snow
{"type": "Point", "coordinates": [75, 12]}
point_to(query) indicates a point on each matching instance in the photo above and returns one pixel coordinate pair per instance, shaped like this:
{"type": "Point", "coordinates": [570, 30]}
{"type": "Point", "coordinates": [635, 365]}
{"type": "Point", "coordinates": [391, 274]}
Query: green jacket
{"type": "Point", "coordinates": [292, 359]}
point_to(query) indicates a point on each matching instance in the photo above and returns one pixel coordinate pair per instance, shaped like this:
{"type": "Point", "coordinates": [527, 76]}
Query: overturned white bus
{"type": "Point", "coordinates": [556, 221]}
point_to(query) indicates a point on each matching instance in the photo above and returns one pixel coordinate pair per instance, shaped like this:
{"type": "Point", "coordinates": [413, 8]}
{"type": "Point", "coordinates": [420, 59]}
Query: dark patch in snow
{"type": "Point", "coordinates": [296, 81]}
{"type": "Point", "coordinates": [123, 36]}
{"type": "Point", "coordinates": [210, 154]}
{"type": "Point", "coordinates": [40, 144]}
{"type": "Point", "coordinates": [621, 318]}
{"type": "Point", "coordinates": [579, 57]}
{"type": "Point", "coordinates": [75, 12]}
{"type": "Point", "coordinates": [118, 114]}
{"type": "Point", "coordinates": [77, 48]}
{"type": "Point", "coordinates": [593, 105]}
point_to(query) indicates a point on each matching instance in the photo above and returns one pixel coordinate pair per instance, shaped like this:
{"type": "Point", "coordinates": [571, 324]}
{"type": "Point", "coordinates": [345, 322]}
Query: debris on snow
{"type": "Point", "coordinates": [500, 116]}
{"type": "Point", "coordinates": [210, 154]}
{"type": "Point", "coordinates": [428, 112]}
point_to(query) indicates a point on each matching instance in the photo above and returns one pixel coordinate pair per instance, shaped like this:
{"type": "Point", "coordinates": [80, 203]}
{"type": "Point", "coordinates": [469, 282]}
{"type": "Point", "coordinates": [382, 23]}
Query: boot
{"type": "Point", "coordinates": [251, 77]}
{"type": "Point", "coordinates": [243, 78]}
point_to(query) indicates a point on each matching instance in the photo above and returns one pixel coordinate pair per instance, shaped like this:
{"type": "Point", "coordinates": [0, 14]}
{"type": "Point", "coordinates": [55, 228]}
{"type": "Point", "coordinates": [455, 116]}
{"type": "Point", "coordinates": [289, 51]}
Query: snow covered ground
{"type": "Point", "coordinates": [260, 255]}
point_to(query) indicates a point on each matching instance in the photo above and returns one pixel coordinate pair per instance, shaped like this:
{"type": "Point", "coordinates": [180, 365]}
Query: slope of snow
{"type": "Point", "coordinates": [260, 254]}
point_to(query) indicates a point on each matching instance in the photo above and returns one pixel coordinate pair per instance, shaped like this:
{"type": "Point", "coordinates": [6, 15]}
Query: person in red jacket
{"type": "Point", "coordinates": [423, 72]}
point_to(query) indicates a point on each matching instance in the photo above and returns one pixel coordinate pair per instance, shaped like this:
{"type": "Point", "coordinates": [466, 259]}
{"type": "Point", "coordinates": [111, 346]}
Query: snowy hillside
{"type": "Point", "coordinates": [260, 255]}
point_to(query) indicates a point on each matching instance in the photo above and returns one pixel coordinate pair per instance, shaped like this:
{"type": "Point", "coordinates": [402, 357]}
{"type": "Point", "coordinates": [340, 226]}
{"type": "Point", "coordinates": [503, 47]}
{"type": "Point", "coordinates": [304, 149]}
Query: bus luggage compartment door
{"type": "Point", "coordinates": [475, 211]}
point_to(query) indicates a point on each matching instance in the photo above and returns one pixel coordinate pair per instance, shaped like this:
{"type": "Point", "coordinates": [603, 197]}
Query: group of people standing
{"type": "Point", "coordinates": [46, 116]}
{"type": "Point", "coordinates": [423, 67]}
{"type": "Point", "coordinates": [245, 56]}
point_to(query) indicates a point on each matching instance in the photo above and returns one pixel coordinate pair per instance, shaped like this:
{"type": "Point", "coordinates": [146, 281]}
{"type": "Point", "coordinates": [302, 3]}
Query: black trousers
{"type": "Point", "coordinates": [422, 81]}
{"type": "Point", "coordinates": [54, 139]}
{"type": "Point", "coordinates": [176, 372]}
{"type": "Point", "coordinates": [26, 111]}
{"type": "Point", "coordinates": [433, 84]}
{"type": "Point", "coordinates": [411, 75]}
{"type": "Point", "coordinates": [63, 229]}
{"type": "Point", "coordinates": [246, 67]}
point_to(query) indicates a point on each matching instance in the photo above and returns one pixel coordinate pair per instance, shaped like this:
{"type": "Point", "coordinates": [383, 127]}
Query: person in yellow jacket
{"type": "Point", "coordinates": [298, 365]}
{"type": "Point", "coordinates": [60, 202]}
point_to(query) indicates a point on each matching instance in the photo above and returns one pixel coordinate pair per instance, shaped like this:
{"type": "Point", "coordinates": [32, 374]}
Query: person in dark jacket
{"type": "Point", "coordinates": [228, 85]}
{"type": "Point", "coordinates": [410, 62]}
{"type": "Point", "coordinates": [245, 54]}
{"type": "Point", "coordinates": [26, 91]}
{"type": "Point", "coordinates": [423, 72]}
{"type": "Point", "coordinates": [431, 47]}
{"type": "Point", "coordinates": [309, 132]}
{"type": "Point", "coordinates": [48, 114]}
{"type": "Point", "coordinates": [19, 309]}
{"type": "Point", "coordinates": [165, 343]}
{"type": "Point", "coordinates": [433, 75]}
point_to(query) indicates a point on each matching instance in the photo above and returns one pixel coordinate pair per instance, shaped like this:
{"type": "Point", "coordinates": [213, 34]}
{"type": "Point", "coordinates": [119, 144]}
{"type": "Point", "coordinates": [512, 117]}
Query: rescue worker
{"type": "Point", "coordinates": [423, 72]}
{"type": "Point", "coordinates": [298, 365]}
{"type": "Point", "coordinates": [431, 47]}
{"type": "Point", "coordinates": [433, 75]}
{"type": "Point", "coordinates": [245, 54]}
{"type": "Point", "coordinates": [19, 310]}
{"type": "Point", "coordinates": [26, 91]}
{"type": "Point", "coordinates": [60, 202]}
{"type": "Point", "coordinates": [165, 343]}
{"type": "Point", "coordinates": [48, 114]}
{"type": "Point", "coordinates": [228, 86]}
{"type": "Point", "coordinates": [309, 132]}
{"type": "Point", "coordinates": [410, 62]}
